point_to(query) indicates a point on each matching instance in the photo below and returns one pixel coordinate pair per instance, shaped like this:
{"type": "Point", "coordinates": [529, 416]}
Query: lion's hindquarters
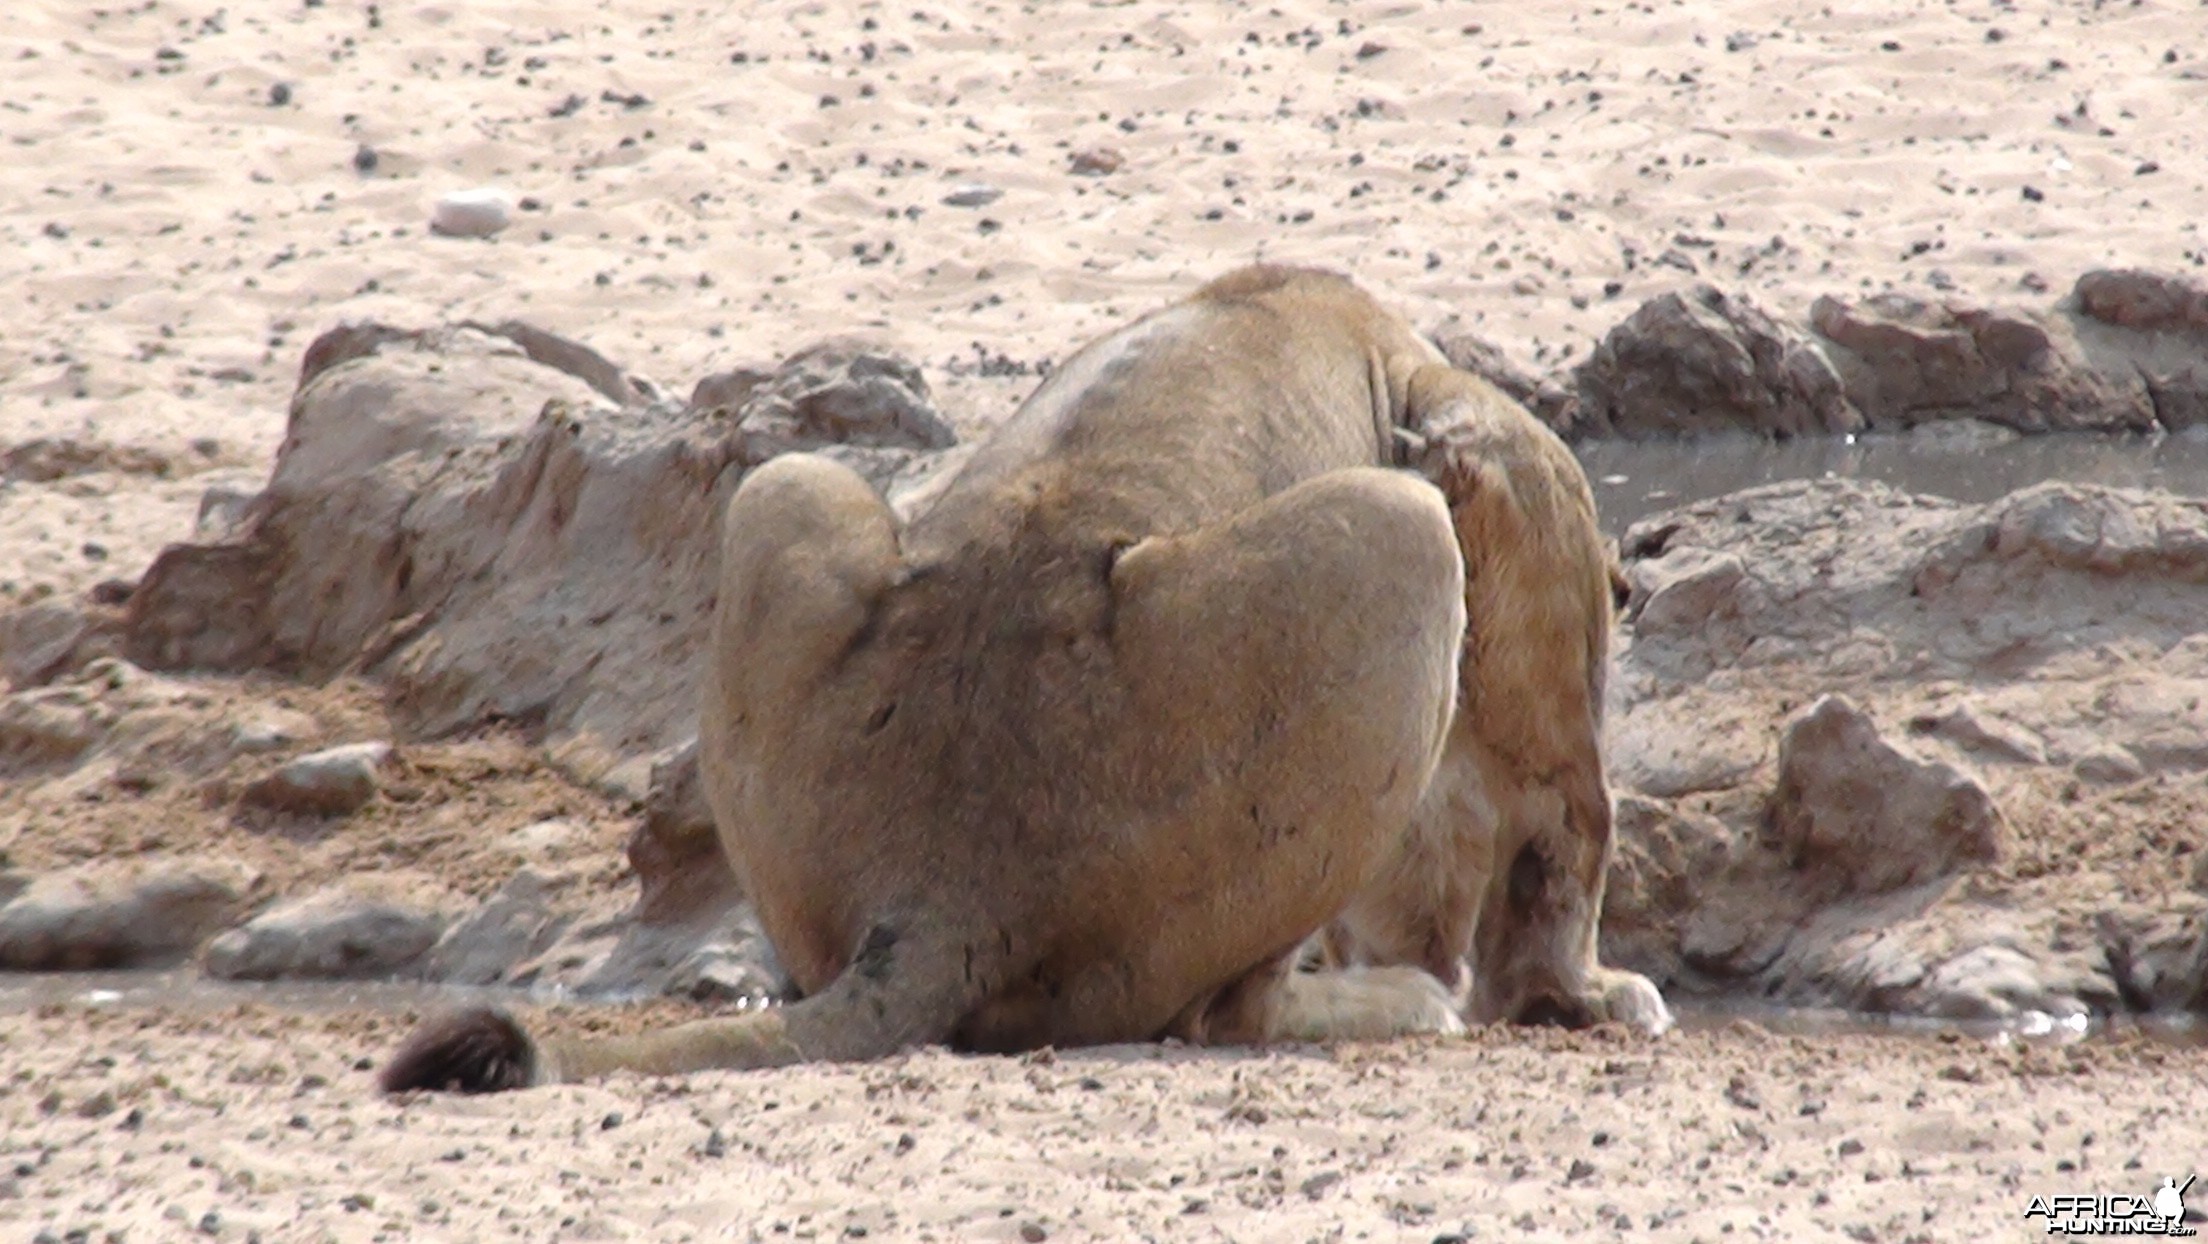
{"type": "Point", "coordinates": [808, 549]}
{"type": "Point", "coordinates": [1295, 668]}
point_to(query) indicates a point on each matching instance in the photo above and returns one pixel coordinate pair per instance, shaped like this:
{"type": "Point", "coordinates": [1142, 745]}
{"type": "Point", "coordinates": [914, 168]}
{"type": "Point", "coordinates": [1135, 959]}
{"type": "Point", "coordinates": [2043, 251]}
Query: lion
{"type": "Point", "coordinates": [1257, 625]}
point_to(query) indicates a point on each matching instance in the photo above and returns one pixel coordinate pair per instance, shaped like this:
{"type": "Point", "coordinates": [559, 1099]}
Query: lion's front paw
{"type": "Point", "coordinates": [1622, 997]}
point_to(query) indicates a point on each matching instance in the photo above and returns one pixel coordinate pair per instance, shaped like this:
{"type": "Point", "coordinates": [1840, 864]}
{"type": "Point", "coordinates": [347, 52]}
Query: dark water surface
{"type": "Point", "coordinates": [1635, 479]}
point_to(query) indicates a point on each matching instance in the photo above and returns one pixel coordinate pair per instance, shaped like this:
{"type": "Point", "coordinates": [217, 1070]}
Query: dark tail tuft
{"type": "Point", "coordinates": [474, 1051]}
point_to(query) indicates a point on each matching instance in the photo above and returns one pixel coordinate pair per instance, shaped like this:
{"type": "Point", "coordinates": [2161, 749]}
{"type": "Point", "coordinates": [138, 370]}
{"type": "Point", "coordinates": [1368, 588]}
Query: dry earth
{"type": "Point", "coordinates": [195, 192]}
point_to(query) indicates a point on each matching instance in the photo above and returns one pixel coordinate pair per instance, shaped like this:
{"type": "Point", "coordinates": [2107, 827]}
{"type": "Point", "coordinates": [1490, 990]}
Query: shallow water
{"type": "Point", "coordinates": [181, 990]}
{"type": "Point", "coordinates": [1635, 479]}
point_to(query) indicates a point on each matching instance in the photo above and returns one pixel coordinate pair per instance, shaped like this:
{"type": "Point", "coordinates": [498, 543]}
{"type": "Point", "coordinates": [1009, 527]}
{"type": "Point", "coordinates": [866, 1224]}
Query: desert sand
{"type": "Point", "coordinates": [193, 192]}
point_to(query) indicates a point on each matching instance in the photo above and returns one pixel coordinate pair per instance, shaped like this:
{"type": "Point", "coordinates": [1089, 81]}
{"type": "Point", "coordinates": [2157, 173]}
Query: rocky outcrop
{"type": "Point", "coordinates": [332, 934]}
{"type": "Point", "coordinates": [1703, 361]}
{"type": "Point", "coordinates": [499, 525]}
{"type": "Point", "coordinates": [1904, 362]}
{"type": "Point", "coordinates": [2126, 352]}
{"type": "Point", "coordinates": [1939, 754]}
{"type": "Point", "coordinates": [115, 915]}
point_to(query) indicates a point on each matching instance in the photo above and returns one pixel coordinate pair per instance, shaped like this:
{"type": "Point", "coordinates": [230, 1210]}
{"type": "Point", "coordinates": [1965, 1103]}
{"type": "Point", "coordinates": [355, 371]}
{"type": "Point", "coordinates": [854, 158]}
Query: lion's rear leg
{"type": "Point", "coordinates": [1294, 668]}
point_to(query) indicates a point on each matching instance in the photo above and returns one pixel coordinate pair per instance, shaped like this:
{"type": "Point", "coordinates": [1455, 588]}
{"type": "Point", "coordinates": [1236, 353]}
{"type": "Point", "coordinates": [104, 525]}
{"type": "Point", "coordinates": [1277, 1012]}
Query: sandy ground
{"type": "Point", "coordinates": [163, 1124]}
{"type": "Point", "coordinates": [194, 191]}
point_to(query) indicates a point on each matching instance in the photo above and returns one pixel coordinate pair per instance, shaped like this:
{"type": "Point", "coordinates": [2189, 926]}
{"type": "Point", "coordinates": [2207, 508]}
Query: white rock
{"type": "Point", "coordinates": [472, 213]}
{"type": "Point", "coordinates": [331, 933]}
{"type": "Point", "coordinates": [975, 195]}
{"type": "Point", "coordinates": [331, 782]}
{"type": "Point", "coordinates": [109, 916]}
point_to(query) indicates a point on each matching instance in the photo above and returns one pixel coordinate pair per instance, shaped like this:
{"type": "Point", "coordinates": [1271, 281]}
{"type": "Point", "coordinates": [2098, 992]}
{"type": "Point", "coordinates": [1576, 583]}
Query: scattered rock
{"type": "Point", "coordinates": [103, 916]}
{"type": "Point", "coordinates": [476, 213]}
{"type": "Point", "coordinates": [333, 782]}
{"type": "Point", "coordinates": [1702, 361]}
{"type": "Point", "coordinates": [332, 934]}
{"type": "Point", "coordinates": [972, 195]}
{"type": "Point", "coordinates": [1095, 161]}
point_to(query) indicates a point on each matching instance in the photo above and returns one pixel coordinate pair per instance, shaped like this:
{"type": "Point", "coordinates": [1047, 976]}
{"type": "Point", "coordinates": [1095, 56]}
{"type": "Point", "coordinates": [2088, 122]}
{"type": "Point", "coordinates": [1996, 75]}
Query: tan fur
{"type": "Point", "coordinates": [1176, 673]}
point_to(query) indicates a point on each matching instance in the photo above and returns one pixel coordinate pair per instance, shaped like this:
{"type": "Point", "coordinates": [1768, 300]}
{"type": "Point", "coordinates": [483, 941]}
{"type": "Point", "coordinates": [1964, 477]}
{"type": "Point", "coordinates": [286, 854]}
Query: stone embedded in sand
{"type": "Point", "coordinates": [477, 213]}
{"type": "Point", "coordinates": [975, 194]}
{"type": "Point", "coordinates": [1702, 361]}
{"type": "Point", "coordinates": [332, 934]}
{"type": "Point", "coordinates": [1095, 161]}
{"type": "Point", "coordinates": [102, 916]}
{"type": "Point", "coordinates": [331, 782]}
{"type": "Point", "coordinates": [1858, 808]}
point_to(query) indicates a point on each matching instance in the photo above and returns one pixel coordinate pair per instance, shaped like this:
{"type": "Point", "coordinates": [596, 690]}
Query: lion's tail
{"type": "Point", "coordinates": [897, 991]}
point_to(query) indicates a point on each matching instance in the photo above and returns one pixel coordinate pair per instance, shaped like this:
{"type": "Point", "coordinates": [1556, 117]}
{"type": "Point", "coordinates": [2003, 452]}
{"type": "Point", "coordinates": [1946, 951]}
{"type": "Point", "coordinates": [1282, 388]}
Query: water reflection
{"type": "Point", "coordinates": [1635, 479]}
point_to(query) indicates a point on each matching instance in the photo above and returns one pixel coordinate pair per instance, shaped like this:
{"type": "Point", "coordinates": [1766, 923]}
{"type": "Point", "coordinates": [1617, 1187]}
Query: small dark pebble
{"type": "Point", "coordinates": [279, 94]}
{"type": "Point", "coordinates": [610, 1122]}
{"type": "Point", "coordinates": [2033, 194]}
{"type": "Point", "coordinates": [365, 159]}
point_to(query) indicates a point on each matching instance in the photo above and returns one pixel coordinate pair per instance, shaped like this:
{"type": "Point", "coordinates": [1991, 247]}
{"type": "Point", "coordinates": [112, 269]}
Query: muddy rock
{"type": "Point", "coordinates": [1553, 403]}
{"type": "Point", "coordinates": [1856, 805]}
{"type": "Point", "coordinates": [496, 524]}
{"type": "Point", "coordinates": [2042, 664]}
{"type": "Point", "coordinates": [114, 915]}
{"type": "Point", "coordinates": [485, 946]}
{"type": "Point", "coordinates": [1703, 361]}
{"type": "Point", "coordinates": [2159, 960]}
{"type": "Point", "coordinates": [49, 639]}
{"type": "Point", "coordinates": [841, 393]}
{"type": "Point", "coordinates": [331, 782]}
{"type": "Point", "coordinates": [675, 852]}
{"type": "Point", "coordinates": [331, 934]}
